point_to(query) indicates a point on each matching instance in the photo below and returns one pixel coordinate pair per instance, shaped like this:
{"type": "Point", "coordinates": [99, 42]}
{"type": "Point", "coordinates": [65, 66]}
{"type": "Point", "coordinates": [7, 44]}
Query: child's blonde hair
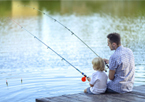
{"type": "Point", "coordinates": [98, 64]}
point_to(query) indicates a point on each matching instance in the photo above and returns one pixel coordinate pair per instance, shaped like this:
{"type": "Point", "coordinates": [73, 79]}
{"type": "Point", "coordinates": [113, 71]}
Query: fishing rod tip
{"type": "Point", "coordinates": [6, 83]}
{"type": "Point", "coordinates": [8, 17]}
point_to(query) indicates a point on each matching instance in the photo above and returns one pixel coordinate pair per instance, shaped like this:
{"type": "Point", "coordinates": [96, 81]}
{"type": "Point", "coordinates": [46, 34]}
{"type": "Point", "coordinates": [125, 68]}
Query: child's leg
{"type": "Point", "coordinates": [85, 91]}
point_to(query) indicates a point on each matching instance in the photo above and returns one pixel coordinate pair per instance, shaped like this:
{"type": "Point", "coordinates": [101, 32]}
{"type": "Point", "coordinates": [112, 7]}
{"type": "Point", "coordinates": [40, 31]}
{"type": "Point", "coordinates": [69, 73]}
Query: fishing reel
{"type": "Point", "coordinates": [83, 79]}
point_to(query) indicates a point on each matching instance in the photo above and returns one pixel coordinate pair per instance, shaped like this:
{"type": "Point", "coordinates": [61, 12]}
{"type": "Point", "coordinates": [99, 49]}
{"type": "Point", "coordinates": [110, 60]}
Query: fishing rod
{"type": "Point", "coordinates": [48, 47]}
{"type": "Point", "coordinates": [68, 30]}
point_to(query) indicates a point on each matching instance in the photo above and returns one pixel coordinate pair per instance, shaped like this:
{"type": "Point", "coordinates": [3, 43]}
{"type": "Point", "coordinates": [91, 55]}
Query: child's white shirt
{"type": "Point", "coordinates": [99, 80]}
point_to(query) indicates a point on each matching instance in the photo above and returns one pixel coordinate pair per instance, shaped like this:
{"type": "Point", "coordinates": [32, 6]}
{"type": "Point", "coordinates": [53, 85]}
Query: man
{"type": "Point", "coordinates": [121, 66]}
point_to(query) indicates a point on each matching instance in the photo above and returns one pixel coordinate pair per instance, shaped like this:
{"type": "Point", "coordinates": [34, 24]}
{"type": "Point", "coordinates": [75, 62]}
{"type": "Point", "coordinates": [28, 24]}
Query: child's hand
{"type": "Point", "coordinates": [89, 79]}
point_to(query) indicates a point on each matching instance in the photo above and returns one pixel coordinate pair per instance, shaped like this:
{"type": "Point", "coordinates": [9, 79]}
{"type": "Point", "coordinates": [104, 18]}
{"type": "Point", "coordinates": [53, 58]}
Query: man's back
{"type": "Point", "coordinates": [122, 61]}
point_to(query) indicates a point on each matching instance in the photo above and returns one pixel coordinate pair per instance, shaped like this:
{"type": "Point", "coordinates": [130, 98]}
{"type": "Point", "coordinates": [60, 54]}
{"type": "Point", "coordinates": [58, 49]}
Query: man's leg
{"type": "Point", "coordinates": [110, 91]}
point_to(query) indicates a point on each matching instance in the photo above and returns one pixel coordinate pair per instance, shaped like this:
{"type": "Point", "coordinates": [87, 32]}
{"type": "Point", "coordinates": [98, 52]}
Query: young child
{"type": "Point", "coordinates": [98, 82]}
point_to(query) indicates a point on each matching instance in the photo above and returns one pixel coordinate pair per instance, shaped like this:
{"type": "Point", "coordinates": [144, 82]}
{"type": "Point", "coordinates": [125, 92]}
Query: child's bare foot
{"type": "Point", "coordinates": [85, 91]}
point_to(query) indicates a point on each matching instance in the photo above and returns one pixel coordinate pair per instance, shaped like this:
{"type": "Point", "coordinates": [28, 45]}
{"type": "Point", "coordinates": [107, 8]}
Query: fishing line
{"type": "Point", "coordinates": [48, 47]}
{"type": "Point", "coordinates": [67, 29]}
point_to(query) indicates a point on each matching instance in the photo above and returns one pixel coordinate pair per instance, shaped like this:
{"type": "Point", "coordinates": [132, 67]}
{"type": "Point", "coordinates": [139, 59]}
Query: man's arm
{"type": "Point", "coordinates": [111, 74]}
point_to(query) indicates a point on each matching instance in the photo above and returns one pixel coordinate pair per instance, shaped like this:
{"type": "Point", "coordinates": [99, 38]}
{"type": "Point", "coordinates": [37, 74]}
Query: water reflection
{"type": "Point", "coordinates": [18, 10]}
{"type": "Point", "coordinates": [22, 56]}
{"type": "Point", "coordinates": [123, 8]}
{"type": "Point", "coordinates": [5, 8]}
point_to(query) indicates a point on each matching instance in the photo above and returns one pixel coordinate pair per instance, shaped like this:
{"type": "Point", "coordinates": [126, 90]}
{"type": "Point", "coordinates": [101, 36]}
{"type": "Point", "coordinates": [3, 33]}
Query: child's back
{"type": "Point", "coordinates": [99, 80]}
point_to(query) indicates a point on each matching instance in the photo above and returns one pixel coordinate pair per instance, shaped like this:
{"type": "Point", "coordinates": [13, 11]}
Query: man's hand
{"type": "Point", "coordinates": [106, 61]}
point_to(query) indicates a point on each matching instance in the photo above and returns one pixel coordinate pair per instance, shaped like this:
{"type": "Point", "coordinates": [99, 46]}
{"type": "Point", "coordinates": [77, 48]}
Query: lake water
{"type": "Point", "coordinates": [43, 73]}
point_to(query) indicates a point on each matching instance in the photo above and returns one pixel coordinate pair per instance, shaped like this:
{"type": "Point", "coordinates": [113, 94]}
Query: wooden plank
{"type": "Point", "coordinates": [138, 95]}
{"type": "Point", "coordinates": [127, 97]}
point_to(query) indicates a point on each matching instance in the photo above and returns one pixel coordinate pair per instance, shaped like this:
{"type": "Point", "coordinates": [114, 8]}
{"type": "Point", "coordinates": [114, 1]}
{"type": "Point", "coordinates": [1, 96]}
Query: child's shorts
{"type": "Point", "coordinates": [89, 91]}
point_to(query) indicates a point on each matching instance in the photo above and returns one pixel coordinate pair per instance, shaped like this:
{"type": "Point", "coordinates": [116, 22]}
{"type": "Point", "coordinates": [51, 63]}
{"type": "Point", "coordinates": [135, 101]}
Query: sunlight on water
{"type": "Point", "coordinates": [43, 73]}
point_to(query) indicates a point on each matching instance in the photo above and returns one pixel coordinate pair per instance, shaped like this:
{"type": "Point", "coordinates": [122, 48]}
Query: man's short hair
{"type": "Point", "coordinates": [114, 38]}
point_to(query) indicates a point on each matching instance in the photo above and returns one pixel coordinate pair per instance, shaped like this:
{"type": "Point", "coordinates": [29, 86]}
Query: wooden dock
{"type": "Point", "coordinates": [137, 95]}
